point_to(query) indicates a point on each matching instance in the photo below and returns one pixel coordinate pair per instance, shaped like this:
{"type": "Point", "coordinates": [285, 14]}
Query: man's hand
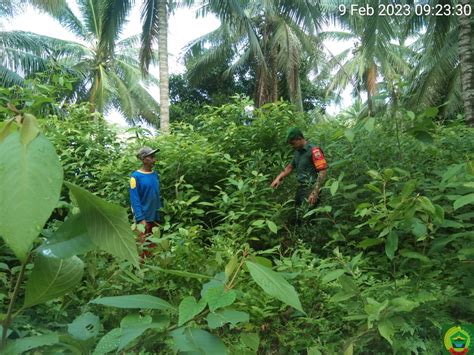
{"type": "Point", "coordinates": [312, 198]}
{"type": "Point", "coordinates": [276, 183]}
{"type": "Point", "coordinates": [142, 222]}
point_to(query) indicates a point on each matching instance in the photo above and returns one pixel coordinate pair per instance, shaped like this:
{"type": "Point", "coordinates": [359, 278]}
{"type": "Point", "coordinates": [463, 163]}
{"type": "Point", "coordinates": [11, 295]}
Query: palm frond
{"type": "Point", "coordinates": [150, 25]}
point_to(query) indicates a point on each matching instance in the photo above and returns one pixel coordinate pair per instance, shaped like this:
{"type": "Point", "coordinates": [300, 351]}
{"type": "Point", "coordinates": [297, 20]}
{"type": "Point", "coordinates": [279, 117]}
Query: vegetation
{"type": "Point", "coordinates": [379, 266]}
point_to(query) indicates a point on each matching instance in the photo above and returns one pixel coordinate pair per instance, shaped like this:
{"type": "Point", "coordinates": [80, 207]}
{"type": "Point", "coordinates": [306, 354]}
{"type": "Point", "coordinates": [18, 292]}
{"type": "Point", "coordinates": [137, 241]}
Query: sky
{"type": "Point", "coordinates": [183, 28]}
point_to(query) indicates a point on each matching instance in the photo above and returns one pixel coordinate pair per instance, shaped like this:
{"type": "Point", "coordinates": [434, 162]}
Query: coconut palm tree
{"type": "Point", "coordinates": [271, 37]}
{"type": "Point", "coordinates": [107, 68]}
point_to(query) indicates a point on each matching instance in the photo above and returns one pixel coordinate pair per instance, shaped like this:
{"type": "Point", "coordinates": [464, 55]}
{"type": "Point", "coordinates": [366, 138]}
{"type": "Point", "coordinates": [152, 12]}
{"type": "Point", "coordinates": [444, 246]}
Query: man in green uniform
{"type": "Point", "coordinates": [310, 166]}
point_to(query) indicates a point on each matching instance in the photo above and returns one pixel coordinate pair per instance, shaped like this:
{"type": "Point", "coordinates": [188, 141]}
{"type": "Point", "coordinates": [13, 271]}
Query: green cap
{"type": "Point", "coordinates": [293, 133]}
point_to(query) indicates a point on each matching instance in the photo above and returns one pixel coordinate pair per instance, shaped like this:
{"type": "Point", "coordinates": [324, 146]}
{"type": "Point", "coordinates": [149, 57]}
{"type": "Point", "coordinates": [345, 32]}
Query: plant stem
{"type": "Point", "coordinates": [9, 318]}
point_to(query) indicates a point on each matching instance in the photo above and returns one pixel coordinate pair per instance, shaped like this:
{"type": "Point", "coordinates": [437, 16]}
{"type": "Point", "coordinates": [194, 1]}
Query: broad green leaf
{"type": "Point", "coordinates": [109, 342]}
{"type": "Point", "coordinates": [401, 304]}
{"type": "Point", "coordinates": [334, 187]}
{"type": "Point", "coordinates": [107, 224]}
{"type": "Point", "coordinates": [418, 228]}
{"type": "Point", "coordinates": [132, 327]}
{"type": "Point", "coordinates": [411, 115]}
{"type": "Point", "coordinates": [6, 129]}
{"type": "Point", "coordinates": [369, 242]}
{"type": "Point", "coordinates": [222, 317]}
{"type": "Point", "coordinates": [369, 124]}
{"type": "Point", "coordinates": [250, 340]}
{"type": "Point", "coordinates": [70, 239]}
{"type": "Point", "coordinates": [19, 346]}
{"type": "Point", "coordinates": [189, 308]}
{"type": "Point", "coordinates": [414, 255]}
{"type": "Point", "coordinates": [423, 136]}
{"type": "Point", "coordinates": [348, 284]}
{"type": "Point", "coordinates": [85, 326]}
{"type": "Point", "coordinates": [332, 275]}
{"type": "Point", "coordinates": [52, 277]}
{"type": "Point", "coordinates": [274, 284]}
{"type": "Point", "coordinates": [231, 266]}
{"type": "Point", "coordinates": [350, 135]}
{"type": "Point", "coordinates": [349, 349]}
{"type": "Point", "coordinates": [197, 341]}
{"type": "Point", "coordinates": [391, 245]}
{"type": "Point", "coordinates": [31, 183]}
{"type": "Point", "coordinates": [272, 226]}
{"type": "Point", "coordinates": [341, 296]}
{"type": "Point", "coordinates": [217, 297]}
{"type": "Point", "coordinates": [180, 273]}
{"type": "Point", "coordinates": [374, 175]}
{"type": "Point", "coordinates": [135, 302]}
{"type": "Point", "coordinates": [463, 201]}
{"type": "Point", "coordinates": [386, 330]}
{"type": "Point", "coordinates": [29, 129]}
{"type": "Point", "coordinates": [427, 205]}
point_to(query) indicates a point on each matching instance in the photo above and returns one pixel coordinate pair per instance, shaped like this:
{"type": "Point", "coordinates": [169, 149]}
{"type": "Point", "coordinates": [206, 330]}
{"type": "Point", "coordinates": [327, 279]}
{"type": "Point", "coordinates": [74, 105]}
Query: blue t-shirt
{"type": "Point", "coordinates": [145, 196]}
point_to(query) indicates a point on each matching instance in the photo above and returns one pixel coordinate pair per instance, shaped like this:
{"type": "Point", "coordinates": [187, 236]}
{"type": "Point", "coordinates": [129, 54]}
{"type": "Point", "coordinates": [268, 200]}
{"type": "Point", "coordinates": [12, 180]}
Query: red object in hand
{"type": "Point", "coordinates": [318, 159]}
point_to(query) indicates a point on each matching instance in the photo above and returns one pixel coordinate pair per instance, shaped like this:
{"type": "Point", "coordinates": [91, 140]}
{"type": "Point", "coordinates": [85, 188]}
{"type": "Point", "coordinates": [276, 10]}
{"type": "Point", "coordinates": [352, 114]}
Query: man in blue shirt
{"type": "Point", "coordinates": [145, 194]}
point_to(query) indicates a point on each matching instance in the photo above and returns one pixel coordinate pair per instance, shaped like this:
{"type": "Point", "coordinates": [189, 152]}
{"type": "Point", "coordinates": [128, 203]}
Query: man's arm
{"type": "Point", "coordinates": [135, 202]}
{"type": "Point", "coordinates": [287, 171]}
{"type": "Point", "coordinates": [313, 196]}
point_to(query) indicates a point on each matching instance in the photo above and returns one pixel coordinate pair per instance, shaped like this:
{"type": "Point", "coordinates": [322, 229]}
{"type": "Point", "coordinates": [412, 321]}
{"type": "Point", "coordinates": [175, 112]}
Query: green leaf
{"type": "Point", "coordinates": [369, 125]}
{"type": "Point", "coordinates": [180, 273]}
{"type": "Point", "coordinates": [231, 266]}
{"type": "Point", "coordinates": [274, 284]}
{"type": "Point", "coordinates": [6, 130]}
{"type": "Point", "coordinates": [401, 304]}
{"type": "Point", "coordinates": [107, 224]}
{"type": "Point", "coordinates": [341, 296]}
{"type": "Point", "coordinates": [135, 302]}
{"type": "Point", "coordinates": [70, 239]}
{"type": "Point", "coordinates": [414, 255]}
{"type": "Point", "coordinates": [391, 245]}
{"type": "Point", "coordinates": [222, 317]}
{"type": "Point", "coordinates": [427, 205]}
{"type": "Point", "coordinates": [418, 228]}
{"type": "Point", "coordinates": [463, 201]}
{"type": "Point", "coordinates": [22, 345]}
{"type": "Point", "coordinates": [31, 183]}
{"type": "Point", "coordinates": [369, 242]}
{"type": "Point", "coordinates": [272, 226]}
{"type": "Point", "coordinates": [198, 341]}
{"type": "Point", "coordinates": [132, 327]}
{"type": "Point", "coordinates": [332, 275]}
{"type": "Point", "coordinates": [85, 326]}
{"type": "Point", "coordinates": [334, 187]}
{"type": "Point", "coordinates": [109, 342]}
{"type": "Point", "coordinates": [217, 297]}
{"type": "Point", "coordinates": [386, 330]}
{"type": "Point", "coordinates": [29, 129]}
{"type": "Point", "coordinates": [189, 308]}
{"type": "Point", "coordinates": [52, 277]}
{"type": "Point", "coordinates": [350, 135]}
{"type": "Point", "coordinates": [250, 340]}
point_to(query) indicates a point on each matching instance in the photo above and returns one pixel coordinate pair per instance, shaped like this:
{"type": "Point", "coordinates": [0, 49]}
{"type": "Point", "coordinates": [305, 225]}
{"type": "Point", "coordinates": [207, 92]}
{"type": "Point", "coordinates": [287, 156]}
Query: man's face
{"type": "Point", "coordinates": [149, 159]}
{"type": "Point", "coordinates": [297, 143]}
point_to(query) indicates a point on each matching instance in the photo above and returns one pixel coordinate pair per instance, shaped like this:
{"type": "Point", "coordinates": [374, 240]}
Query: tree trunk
{"type": "Point", "coordinates": [163, 58]}
{"type": "Point", "coordinates": [466, 58]}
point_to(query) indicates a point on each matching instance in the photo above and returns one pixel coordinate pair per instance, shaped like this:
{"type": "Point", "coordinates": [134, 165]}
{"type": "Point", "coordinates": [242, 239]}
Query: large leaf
{"type": "Point", "coordinates": [52, 277]}
{"type": "Point", "coordinates": [85, 326]}
{"type": "Point", "coordinates": [274, 284]}
{"type": "Point", "coordinates": [386, 330]}
{"type": "Point", "coordinates": [217, 297]}
{"type": "Point", "coordinates": [31, 177]}
{"type": "Point", "coordinates": [198, 341]}
{"type": "Point", "coordinates": [19, 346]}
{"type": "Point", "coordinates": [135, 302]}
{"type": "Point", "coordinates": [70, 239]}
{"type": "Point", "coordinates": [224, 316]}
{"type": "Point", "coordinates": [107, 224]}
{"type": "Point", "coordinates": [464, 200]}
{"type": "Point", "coordinates": [391, 245]}
{"type": "Point", "coordinates": [189, 308]}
